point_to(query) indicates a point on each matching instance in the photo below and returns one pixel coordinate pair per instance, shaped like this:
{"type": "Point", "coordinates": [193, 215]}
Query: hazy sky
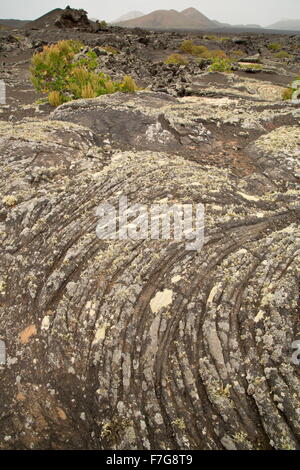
{"type": "Point", "coordinates": [262, 12]}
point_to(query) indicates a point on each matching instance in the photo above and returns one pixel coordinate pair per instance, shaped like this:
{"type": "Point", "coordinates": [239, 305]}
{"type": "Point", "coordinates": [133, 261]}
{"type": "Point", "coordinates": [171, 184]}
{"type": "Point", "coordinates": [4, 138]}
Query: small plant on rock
{"type": "Point", "coordinates": [221, 65]}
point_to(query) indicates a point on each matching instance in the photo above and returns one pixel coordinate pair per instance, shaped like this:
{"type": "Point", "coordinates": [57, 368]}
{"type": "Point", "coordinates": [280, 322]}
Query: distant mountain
{"type": "Point", "coordinates": [221, 25]}
{"type": "Point", "coordinates": [188, 19]}
{"type": "Point", "coordinates": [290, 25]}
{"type": "Point", "coordinates": [171, 19]}
{"type": "Point", "coordinates": [132, 15]}
{"type": "Point", "coordinates": [14, 23]}
{"type": "Point", "coordinates": [194, 16]}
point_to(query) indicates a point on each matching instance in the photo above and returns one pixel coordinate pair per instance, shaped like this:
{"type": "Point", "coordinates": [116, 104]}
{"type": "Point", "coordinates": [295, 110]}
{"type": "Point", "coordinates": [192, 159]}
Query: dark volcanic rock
{"type": "Point", "coordinates": [70, 18]}
{"type": "Point", "coordinates": [135, 121]}
{"type": "Point", "coordinates": [143, 344]}
{"type": "Point", "coordinates": [63, 19]}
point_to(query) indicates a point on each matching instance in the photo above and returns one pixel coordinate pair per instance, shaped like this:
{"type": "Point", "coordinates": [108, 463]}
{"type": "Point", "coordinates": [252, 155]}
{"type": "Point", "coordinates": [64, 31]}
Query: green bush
{"type": "Point", "coordinates": [102, 24]}
{"type": "Point", "coordinates": [57, 72]}
{"type": "Point", "coordinates": [283, 55]}
{"type": "Point", "coordinates": [221, 65]}
{"type": "Point", "coordinates": [176, 59]}
{"type": "Point", "coordinates": [51, 67]}
{"type": "Point", "coordinates": [210, 38]}
{"type": "Point", "coordinates": [189, 47]}
{"type": "Point", "coordinates": [274, 46]}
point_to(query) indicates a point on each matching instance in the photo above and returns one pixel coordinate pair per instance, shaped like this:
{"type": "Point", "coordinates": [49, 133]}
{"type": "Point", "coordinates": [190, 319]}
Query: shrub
{"type": "Point", "coordinates": [221, 65]}
{"type": "Point", "coordinates": [63, 76]}
{"type": "Point", "coordinates": [274, 46]}
{"type": "Point", "coordinates": [88, 84]}
{"type": "Point", "coordinates": [201, 51]}
{"type": "Point", "coordinates": [189, 47]}
{"type": "Point", "coordinates": [102, 24]}
{"type": "Point", "coordinates": [89, 60]}
{"type": "Point", "coordinates": [210, 38]}
{"type": "Point", "coordinates": [176, 59]}
{"type": "Point", "coordinates": [50, 68]}
{"type": "Point", "coordinates": [283, 55]}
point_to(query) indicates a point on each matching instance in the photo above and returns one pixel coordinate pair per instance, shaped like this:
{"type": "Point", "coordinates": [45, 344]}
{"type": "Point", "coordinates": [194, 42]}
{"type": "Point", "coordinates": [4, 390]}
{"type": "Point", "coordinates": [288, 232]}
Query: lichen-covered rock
{"type": "Point", "coordinates": [158, 122]}
{"type": "Point", "coordinates": [222, 84]}
{"type": "Point", "coordinates": [141, 344]}
{"type": "Point", "coordinates": [137, 120]}
{"type": "Point", "coordinates": [279, 153]}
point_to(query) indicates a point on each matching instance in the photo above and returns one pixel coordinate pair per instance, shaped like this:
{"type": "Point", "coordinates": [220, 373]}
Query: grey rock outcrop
{"type": "Point", "coordinates": [142, 344]}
